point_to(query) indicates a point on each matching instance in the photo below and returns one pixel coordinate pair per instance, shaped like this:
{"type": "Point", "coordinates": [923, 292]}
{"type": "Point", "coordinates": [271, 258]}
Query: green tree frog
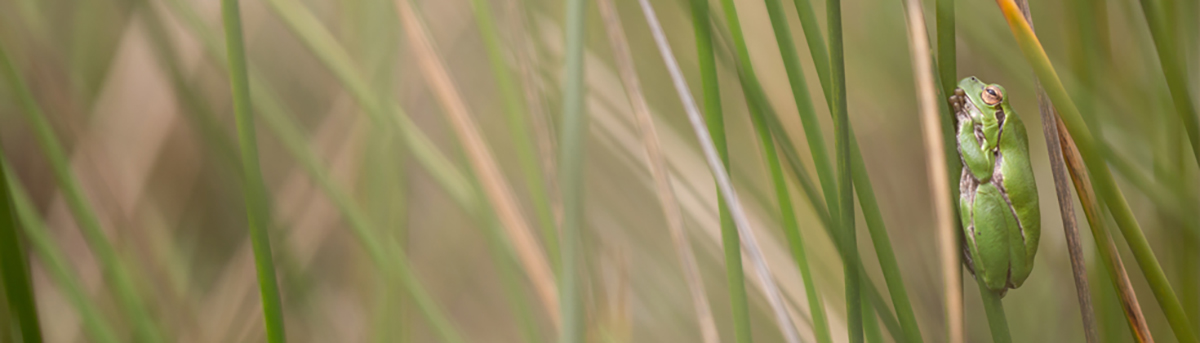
{"type": "Point", "coordinates": [998, 200]}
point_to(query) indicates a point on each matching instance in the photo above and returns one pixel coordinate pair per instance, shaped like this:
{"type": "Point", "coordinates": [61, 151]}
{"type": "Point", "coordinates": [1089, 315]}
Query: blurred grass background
{"type": "Point", "coordinates": [137, 95]}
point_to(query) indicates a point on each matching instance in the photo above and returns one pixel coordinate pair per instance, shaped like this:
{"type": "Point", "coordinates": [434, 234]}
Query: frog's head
{"type": "Point", "coordinates": [989, 100]}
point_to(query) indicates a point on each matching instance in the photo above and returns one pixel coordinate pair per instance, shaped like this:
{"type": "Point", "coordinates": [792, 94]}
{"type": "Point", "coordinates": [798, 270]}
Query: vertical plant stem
{"type": "Point", "coordinates": [947, 63]}
{"type": "Point", "coordinates": [14, 269]}
{"type": "Point", "coordinates": [1104, 182]}
{"type": "Point", "coordinates": [574, 132]}
{"type": "Point", "coordinates": [737, 212]}
{"type": "Point", "coordinates": [658, 170]}
{"type": "Point", "coordinates": [1065, 206]}
{"type": "Point", "coordinates": [845, 187]}
{"type": "Point", "coordinates": [931, 128]}
{"type": "Point", "coordinates": [1104, 243]}
{"type": "Point", "coordinates": [994, 309]}
{"type": "Point", "coordinates": [257, 210]}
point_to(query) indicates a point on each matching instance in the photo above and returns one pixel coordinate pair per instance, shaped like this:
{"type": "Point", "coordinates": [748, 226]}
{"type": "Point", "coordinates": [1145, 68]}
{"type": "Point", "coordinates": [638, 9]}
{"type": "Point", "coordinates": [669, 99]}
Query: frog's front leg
{"type": "Point", "coordinates": [975, 157]}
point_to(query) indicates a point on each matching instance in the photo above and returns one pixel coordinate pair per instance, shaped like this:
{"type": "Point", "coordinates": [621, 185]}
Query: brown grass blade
{"type": "Point", "coordinates": [1112, 259]}
{"type": "Point", "coordinates": [482, 161]}
{"type": "Point", "coordinates": [918, 43]}
{"type": "Point", "coordinates": [1065, 206]}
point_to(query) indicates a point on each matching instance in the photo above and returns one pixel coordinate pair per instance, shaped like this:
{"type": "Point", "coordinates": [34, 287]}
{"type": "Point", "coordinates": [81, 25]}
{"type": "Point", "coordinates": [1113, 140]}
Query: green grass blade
{"type": "Point", "coordinates": [1103, 182]}
{"type": "Point", "coordinates": [95, 325]}
{"type": "Point", "coordinates": [737, 212]}
{"type": "Point", "coordinates": [715, 121]}
{"type": "Point", "coordinates": [837, 82]}
{"type": "Point", "coordinates": [14, 270]}
{"type": "Point", "coordinates": [514, 109]}
{"type": "Point", "coordinates": [808, 118]}
{"type": "Point", "coordinates": [113, 267]}
{"type": "Point", "coordinates": [791, 228]}
{"type": "Point", "coordinates": [1175, 71]}
{"type": "Point", "coordinates": [994, 309]}
{"type": "Point", "coordinates": [257, 210]}
{"type": "Point", "coordinates": [570, 172]}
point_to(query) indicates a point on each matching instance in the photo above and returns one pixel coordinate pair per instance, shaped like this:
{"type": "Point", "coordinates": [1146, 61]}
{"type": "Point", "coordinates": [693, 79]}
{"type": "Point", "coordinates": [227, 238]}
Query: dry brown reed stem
{"type": "Point", "coordinates": [482, 162]}
{"type": "Point", "coordinates": [918, 44]}
{"type": "Point", "coordinates": [658, 169]}
{"type": "Point", "coordinates": [1065, 206]}
{"type": "Point", "coordinates": [1091, 208]}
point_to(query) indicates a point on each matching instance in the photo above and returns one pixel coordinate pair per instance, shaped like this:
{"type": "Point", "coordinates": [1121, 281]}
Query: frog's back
{"type": "Point", "coordinates": [1019, 183]}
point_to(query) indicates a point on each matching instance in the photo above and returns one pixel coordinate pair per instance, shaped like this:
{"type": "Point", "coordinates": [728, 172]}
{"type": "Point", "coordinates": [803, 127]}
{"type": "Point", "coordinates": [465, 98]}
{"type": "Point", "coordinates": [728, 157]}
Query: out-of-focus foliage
{"type": "Point", "coordinates": [357, 151]}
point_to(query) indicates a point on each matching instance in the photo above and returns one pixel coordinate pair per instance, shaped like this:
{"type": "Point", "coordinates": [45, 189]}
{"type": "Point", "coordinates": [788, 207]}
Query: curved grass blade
{"type": "Point", "coordinates": [1104, 182]}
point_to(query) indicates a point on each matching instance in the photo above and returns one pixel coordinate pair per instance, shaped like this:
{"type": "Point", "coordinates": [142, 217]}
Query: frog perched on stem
{"type": "Point", "coordinates": [998, 201]}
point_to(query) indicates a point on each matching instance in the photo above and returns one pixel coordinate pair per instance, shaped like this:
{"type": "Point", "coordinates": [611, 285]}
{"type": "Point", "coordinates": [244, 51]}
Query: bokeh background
{"type": "Point", "coordinates": [137, 95]}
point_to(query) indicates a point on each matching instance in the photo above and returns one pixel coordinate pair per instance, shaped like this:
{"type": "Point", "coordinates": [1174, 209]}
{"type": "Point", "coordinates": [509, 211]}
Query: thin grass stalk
{"type": "Point", "coordinates": [790, 225]}
{"type": "Point", "coordinates": [321, 43]}
{"type": "Point", "coordinates": [113, 267]}
{"type": "Point", "coordinates": [515, 112]}
{"type": "Point", "coordinates": [875, 225]}
{"type": "Point", "coordinates": [387, 255]}
{"type": "Point", "coordinates": [14, 270]}
{"type": "Point", "coordinates": [837, 82]}
{"type": "Point", "coordinates": [923, 71]}
{"type": "Point", "coordinates": [947, 63]}
{"type": "Point", "coordinates": [730, 240]}
{"type": "Point", "coordinates": [1065, 205]}
{"type": "Point", "coordinates": [804, 107]}
{"type": "Point", "coordinates": [816, 44]}
{"type": "Point", "coordinates": [481, 159]}
{"type": "Point", "coordinates": [257, 210]}
{"type": "Point", "coordinates": [95, 324]}
{"type": "Point", "coordinates": [447, 175]}
{"type": "Point", "coordinates": [658, 170]}
{"type": "Point", "coordinates": [383, 112]}
{"type": "Point", "coordinates": [993, 308]}
{"type": "Point", "coordinates": [570, 172]}
{"type": "Point", "coordinates": [749, 242]}
{"type": "Point", "coordinates": [871, 214]}
{"type": "Point", "coordinates": [1175, 71]}
{"type": "Point", "coordinates": [1105, 247]}
{"type": "Point", "coordinates": [1104, 182]}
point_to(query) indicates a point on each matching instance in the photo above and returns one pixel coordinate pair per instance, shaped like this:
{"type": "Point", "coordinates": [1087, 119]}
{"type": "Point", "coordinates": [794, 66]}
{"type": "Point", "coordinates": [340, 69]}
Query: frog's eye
{"type": "Point", "coordinates": [992, 95]}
